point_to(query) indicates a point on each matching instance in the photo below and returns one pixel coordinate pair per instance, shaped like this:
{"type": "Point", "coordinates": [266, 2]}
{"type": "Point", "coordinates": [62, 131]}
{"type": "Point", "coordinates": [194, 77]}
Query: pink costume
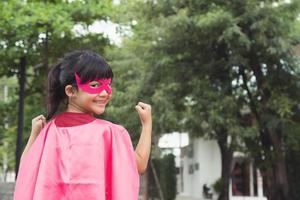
{"type": "Point", "coordinates": [79, 157]}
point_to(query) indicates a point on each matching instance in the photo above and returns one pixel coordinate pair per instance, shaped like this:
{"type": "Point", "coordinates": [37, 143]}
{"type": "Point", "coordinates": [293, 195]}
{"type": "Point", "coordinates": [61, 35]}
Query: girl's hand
{"type": "Point", "coordinates": [37, 124]}
{"type": "Point", "coordinates": [144, 111]}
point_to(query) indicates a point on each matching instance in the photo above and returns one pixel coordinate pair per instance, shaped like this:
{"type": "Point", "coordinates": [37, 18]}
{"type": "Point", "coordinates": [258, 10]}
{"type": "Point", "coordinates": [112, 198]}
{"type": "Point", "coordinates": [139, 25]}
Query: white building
{"type": "Point", "coordinates": [199, 162]}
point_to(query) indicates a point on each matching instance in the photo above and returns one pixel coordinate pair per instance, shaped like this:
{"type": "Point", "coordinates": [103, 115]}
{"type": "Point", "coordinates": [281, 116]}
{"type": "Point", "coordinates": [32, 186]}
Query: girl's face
{"type": "Point", "coordinates": [82, 101]}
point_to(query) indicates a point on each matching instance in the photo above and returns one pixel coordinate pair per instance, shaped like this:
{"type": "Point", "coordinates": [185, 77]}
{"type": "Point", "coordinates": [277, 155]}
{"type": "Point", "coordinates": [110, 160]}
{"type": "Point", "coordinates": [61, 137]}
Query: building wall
{"type": "Point", "coordinates": [207, 155]}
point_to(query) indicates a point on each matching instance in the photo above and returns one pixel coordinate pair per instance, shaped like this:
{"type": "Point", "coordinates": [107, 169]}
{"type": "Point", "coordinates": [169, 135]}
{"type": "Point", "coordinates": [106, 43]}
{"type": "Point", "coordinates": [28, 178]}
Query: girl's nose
{"type": "Point", "coordinates": [103, 93]}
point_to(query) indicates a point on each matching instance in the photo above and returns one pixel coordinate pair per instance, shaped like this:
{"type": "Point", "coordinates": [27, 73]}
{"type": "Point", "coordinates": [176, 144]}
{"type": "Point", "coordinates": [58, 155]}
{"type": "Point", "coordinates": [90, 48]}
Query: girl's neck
{"type": "Point", "coordinates": [75, 109]}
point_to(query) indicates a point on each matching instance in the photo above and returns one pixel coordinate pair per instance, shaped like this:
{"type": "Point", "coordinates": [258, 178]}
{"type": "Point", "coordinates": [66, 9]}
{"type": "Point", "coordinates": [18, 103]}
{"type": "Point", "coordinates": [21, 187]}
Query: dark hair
{"type": "Point", "coordinates": [88, 65]}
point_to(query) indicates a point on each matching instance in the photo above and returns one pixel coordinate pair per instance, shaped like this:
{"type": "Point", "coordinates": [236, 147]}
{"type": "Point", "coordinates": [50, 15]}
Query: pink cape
{"type": "Point", "coordinates": [93, 161]}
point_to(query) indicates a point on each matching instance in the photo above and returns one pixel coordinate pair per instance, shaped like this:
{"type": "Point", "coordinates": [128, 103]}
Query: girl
{"type": "Point", "coordinates": [76, 156]}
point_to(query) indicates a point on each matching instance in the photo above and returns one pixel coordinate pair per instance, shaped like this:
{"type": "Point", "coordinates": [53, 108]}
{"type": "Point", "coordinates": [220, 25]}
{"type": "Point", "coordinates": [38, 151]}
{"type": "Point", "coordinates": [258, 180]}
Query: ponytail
{"type": "Point", "coordinates": [55, 92]}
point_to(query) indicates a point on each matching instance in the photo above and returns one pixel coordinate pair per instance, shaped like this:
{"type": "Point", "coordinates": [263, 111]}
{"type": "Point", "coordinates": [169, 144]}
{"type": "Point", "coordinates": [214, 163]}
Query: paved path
{"type": "Point", "coordinates": [180, 197]}
{"type": "Point", "coordinates": [6, 191]}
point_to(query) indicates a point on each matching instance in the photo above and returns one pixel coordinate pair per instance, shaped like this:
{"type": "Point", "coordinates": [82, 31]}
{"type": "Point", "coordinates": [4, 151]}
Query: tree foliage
{"type": "Point", "coordinates": [40, 33]}
{"type": "Point", "coordinates": [225, 70]}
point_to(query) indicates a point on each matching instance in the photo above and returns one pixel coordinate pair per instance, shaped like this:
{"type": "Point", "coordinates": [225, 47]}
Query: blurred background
{"type": "Point", "coordinates": [222, 76]}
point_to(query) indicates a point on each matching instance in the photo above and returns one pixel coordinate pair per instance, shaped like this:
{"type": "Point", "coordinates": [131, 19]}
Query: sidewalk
{"type": "Point", "coordinates": [6, 191]}
{"type": "Point", "coordinates": [181, 197]}
{"type": "Point", "coordinates": [186, 198]}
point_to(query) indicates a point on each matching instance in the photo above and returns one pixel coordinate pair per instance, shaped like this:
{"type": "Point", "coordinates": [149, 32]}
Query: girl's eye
{"type": "Point", "coordinates": [95, 85]}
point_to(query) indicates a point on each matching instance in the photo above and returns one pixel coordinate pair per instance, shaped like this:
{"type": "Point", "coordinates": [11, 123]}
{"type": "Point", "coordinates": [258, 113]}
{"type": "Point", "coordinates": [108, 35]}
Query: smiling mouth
{"type": "Point", "coordinates": [101, 102]}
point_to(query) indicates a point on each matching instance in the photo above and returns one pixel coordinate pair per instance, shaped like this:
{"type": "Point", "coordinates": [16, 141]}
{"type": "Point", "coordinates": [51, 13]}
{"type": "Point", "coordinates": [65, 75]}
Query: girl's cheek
{"type": "Point", "coordinates": [109, 97]}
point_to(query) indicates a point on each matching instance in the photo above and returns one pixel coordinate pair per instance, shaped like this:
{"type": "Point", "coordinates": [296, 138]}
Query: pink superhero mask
{"type": "Point", "coordinates": [104, 84]}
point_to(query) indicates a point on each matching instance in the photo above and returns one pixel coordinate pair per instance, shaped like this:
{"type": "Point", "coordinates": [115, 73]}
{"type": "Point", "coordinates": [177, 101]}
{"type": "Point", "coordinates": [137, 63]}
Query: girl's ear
{"type": "Point", "coordinates": [69, 90]}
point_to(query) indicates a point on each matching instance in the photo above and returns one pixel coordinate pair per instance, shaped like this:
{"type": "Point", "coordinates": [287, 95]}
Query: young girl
{"type": "Point", "coordinates": [76, 156]}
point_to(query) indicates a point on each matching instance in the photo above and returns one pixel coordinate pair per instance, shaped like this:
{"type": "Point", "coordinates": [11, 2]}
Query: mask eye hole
{"type": "Point", "coordinates": [94, 84]}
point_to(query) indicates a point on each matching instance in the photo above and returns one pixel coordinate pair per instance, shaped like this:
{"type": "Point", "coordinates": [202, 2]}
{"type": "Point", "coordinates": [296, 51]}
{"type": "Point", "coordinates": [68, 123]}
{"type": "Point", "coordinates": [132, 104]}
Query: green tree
{"type": "Point", "coordinates": [223, 69]}
{"type": "Point", "coordinates": [33, 35]}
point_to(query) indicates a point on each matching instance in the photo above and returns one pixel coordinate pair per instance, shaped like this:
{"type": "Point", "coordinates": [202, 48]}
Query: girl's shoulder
{"type": "Point", "coordinates": [114, 127]}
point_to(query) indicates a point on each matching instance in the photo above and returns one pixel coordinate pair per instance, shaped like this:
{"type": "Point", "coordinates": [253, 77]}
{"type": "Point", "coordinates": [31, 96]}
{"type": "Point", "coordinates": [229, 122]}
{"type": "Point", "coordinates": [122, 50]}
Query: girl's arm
{"type": "Point", "coordinates": [142, 150]}
{"type": "Point", "coordinates": [37, 124]}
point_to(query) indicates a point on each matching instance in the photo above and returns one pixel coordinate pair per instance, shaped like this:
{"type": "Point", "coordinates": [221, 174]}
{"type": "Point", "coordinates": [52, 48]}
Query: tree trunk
{"type": "Point", "coordinates": [161, 196]}
{"type": "Point", "coordinates": [145, 195]}
{"type": "Point", "coordinates": [275, 179]}
{"type": "Point", "coordinates": [22, 80]}
{"type": "Point", "coordinates": [280, 188]}
{"type": "Point", "coordinates": [46, 51]}
{"type": "Point", "coordinates": [226, 156]}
